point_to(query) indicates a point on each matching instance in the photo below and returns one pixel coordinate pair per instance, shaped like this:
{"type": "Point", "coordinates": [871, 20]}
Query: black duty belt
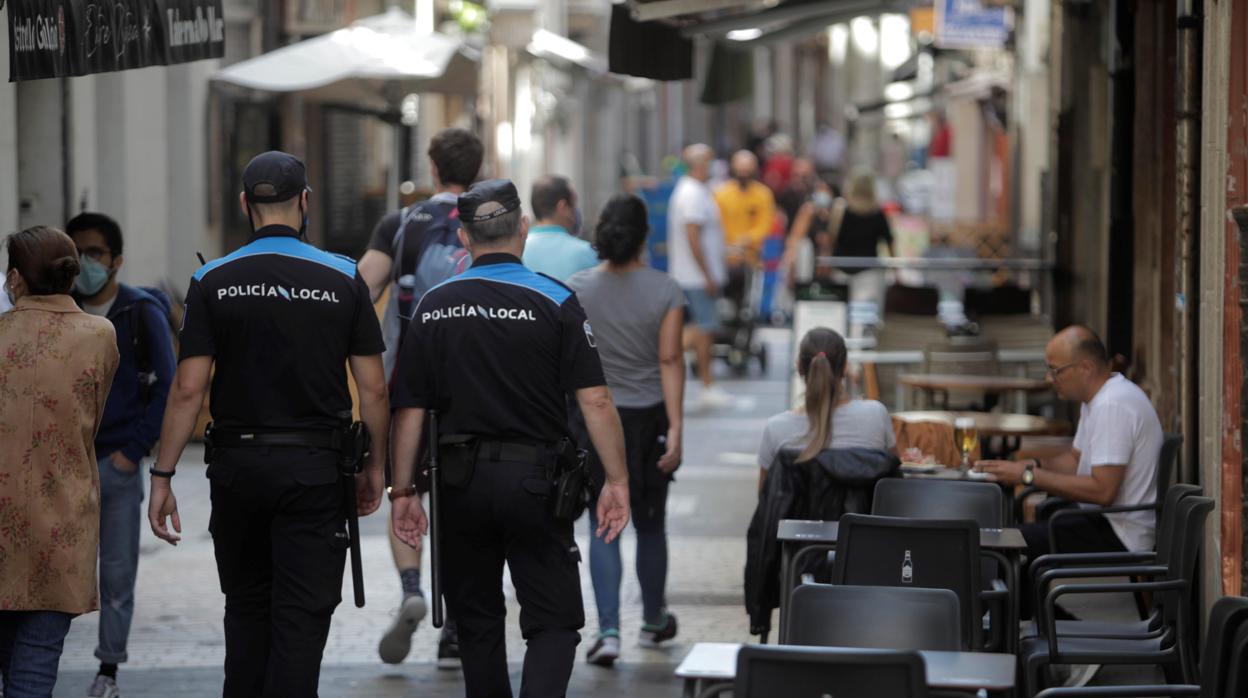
{"type": "Point", "coordinates": [330, 439]}
{"type": "Point", "coordinates": [513, 451]}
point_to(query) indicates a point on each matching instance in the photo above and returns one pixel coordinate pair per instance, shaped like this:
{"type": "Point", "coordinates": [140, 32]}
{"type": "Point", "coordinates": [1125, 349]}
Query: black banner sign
{"type": "Point", "coordinates": [60, 38]}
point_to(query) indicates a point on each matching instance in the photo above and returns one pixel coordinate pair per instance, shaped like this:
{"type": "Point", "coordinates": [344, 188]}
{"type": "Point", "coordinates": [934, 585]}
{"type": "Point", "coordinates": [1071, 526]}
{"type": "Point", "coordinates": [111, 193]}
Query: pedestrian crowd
{"type": "Point", "coordinates": [519, 375]}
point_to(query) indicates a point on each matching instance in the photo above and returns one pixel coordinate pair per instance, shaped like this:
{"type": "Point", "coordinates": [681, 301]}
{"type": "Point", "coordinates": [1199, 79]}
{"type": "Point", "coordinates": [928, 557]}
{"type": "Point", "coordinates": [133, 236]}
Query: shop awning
{"type": "Point", "coordinates": [375, 61]}
{"type": "Point", "coordinates": [58, 38]}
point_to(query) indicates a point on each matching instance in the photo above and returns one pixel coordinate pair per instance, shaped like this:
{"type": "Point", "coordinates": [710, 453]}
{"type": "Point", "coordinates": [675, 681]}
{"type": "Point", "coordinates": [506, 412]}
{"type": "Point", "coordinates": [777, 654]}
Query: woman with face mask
{"type": "Point", "coordinates": [813, 228]}
{"type": "Point", "coordinates": [58, 368]}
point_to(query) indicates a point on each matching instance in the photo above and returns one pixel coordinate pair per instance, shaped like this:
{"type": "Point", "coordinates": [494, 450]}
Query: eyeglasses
{"type": "Point", "coordinates": [1054, 371]}
{"type": "Point", "coordinates": [96, 253]}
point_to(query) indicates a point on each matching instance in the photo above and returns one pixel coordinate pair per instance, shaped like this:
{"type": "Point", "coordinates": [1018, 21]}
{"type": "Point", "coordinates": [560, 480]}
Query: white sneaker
{"type": "Point", "coordinates": [715, 397]}
{"type": "Point", "coordinates": [1081, 675]}
{"type": "Point", "coordinates": [104, 687]}
{"type": "Point", "coordinates": [605, 651]}
{"type": "Point", "coordinates": [397, 641]}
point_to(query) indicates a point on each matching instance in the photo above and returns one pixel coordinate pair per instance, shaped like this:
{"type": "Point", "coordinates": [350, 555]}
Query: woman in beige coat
{"type": "Point", "coordinates": [56, 366]}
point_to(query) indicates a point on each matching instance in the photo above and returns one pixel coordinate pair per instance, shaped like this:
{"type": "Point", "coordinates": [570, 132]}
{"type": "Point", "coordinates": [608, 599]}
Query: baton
{"type": "Point", "coordinates": [353, 532]}
{"type": "Point", "coordinates": [434, 558]}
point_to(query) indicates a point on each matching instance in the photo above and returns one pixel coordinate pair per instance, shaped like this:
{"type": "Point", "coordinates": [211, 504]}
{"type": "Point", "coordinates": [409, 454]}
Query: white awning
{"type": "Point", "coordinates": [375, 60]}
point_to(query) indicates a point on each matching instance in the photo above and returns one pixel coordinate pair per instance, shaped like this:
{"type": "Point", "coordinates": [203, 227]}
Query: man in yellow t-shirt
{"type": "Point", "coordinates": [747, 208]}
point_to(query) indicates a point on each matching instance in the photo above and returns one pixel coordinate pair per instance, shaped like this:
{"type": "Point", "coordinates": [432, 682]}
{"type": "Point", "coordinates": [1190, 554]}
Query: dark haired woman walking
{"type": "Point", "coordinates": [637, 316]}
{"type": "Point", "coordinates": [56, 366]}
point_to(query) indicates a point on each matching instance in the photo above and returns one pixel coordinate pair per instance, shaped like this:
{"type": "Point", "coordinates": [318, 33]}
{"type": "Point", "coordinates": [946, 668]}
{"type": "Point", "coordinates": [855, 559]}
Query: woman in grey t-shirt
{"type": "Point", "coordinates": [636, 315]}
{"type": "Point", "coordinates": [830, 419]}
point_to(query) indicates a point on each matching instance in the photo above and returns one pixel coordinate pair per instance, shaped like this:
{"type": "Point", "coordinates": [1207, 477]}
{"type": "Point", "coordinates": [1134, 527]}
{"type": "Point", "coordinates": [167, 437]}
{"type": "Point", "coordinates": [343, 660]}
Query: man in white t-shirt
{"type": "Point", "coordinates": [696, 261]}
{"type": "Point", "coordinates": [1113, 461]}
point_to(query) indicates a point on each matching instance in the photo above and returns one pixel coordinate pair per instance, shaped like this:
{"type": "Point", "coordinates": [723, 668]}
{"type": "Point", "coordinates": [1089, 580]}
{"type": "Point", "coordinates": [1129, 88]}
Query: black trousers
{"type": "Point", "coordinates": [1083, 533]}
{"type": "Point", "coordinates": [279, 531]}
{"type": "Point", "coordinates": [645, 441]}
{"type": "Point", "coordinates": [502, 515]}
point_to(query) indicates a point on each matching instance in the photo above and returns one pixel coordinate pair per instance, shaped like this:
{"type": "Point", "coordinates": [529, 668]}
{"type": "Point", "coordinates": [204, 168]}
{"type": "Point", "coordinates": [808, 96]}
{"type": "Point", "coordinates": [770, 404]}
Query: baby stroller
{"type": "Point", "coordinates": [740, 308]}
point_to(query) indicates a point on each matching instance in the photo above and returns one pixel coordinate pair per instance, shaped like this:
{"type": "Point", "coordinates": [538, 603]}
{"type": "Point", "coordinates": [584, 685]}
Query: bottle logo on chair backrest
{"type": "Point", "coordinates": [907, 570]}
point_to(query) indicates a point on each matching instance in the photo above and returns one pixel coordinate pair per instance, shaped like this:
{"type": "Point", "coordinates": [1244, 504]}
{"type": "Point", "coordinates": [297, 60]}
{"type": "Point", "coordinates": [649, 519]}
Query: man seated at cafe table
{"type": "Point", "coordinates": [1112, 461]}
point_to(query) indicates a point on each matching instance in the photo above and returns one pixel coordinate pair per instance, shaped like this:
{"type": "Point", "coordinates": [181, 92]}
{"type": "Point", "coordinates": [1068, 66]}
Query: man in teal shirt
{"type": "Point", "coordinates": [553, 247]}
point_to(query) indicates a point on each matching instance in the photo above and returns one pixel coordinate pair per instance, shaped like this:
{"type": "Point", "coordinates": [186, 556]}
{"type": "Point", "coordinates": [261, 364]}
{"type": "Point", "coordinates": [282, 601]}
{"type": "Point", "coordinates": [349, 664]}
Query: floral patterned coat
{"type": "Point", "coordinates": [56, 367]}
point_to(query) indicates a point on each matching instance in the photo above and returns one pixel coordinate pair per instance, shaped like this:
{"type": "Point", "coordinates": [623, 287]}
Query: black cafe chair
{"type": "Point", "coordinates": [766, 671]}
{"type": "Point", "coordinates": [1173, 649]}
{"type": "Point", "coordinates": [931, 553]}
{"type": "Point", "coordinates": [1054, 509]}
{"type": "Point", "coordinates": [1223, 670]}
{"type": "Point", "coordinates": [874, 617]}
{"type": "Point", "coordinates": [982, 502]}
{"type": "Point", "coordinates": [1049, 568]}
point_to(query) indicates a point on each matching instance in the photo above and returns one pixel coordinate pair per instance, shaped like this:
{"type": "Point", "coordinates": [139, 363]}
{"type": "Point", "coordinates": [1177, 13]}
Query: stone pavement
{"type": "Point", "coordinates": [177, 646]}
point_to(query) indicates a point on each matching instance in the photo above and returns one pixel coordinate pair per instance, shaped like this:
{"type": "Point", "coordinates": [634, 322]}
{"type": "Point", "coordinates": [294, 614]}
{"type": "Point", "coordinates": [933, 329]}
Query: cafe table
{"type": "Point", "coordinates": [714, 662]}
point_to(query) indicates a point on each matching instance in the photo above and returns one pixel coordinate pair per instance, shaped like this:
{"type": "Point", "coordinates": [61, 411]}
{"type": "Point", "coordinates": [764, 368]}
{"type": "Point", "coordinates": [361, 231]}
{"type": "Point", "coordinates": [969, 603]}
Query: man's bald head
{"type": "Point", "coordinates": [698, 159]}
{"type": "Point", "coordinates": [744, 164]}
{"type": "Point", "coordinates": [1078, 364]}
{"type": "Point", "coordinates": [1079, 343]}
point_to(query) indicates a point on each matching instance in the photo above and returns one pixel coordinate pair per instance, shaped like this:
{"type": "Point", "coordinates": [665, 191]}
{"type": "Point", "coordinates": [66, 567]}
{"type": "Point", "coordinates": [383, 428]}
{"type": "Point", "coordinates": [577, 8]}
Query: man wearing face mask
{"type": "Point", "coordinates": [747, 208]}
{"type": "Point", "coordinates": [129, 428]}
{"type": "Point", "coordinates": [554, 247]}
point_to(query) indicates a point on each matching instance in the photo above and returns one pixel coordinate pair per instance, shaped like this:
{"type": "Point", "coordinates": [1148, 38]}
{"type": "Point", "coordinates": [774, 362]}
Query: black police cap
{"type": "Point", "coordinates": [499, 191]}
{"type": "Point", "coordinates": [274, 176]}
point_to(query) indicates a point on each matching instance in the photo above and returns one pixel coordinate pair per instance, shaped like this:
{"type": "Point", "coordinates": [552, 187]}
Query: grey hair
{"type": "Point", "coordinates": [495, 230]}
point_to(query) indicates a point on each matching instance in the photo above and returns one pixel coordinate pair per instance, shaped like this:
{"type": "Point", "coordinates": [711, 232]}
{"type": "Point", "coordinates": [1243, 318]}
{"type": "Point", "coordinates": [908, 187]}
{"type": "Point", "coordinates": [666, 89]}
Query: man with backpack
{"type": "Point", "coordinates": [411, 251]}
{"type": "Point", "coordinates": [129, 428]}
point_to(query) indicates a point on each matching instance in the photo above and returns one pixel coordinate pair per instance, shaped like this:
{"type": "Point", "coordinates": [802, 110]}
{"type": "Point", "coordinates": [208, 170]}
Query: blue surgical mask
{"type": "Point", "coordinates": [91, 278]}
{"type": "Point", "coordinates": [822, 199]}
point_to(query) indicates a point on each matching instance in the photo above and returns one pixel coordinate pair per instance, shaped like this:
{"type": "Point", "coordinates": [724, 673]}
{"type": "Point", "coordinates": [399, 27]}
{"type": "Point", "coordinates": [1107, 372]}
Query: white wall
{"type": "Point", "coordinates": [132, 167]}
{"type": "Point", "coordinates": [187, 162]}
{"type": "Point", "coordinates": [84, 158]}
{"type": "Point", "coordinates": [8, 148]}
{"type": "Point", "coordinates": [39, 154]}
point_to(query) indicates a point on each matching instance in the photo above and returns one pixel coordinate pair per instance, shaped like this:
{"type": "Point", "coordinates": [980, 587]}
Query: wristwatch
{"type": "Point", "coordinates": [400, 492]}
{"type": "Point", "coordinates": [1029, 475]}
{"type": "Point", "coordinates": [155, 472]}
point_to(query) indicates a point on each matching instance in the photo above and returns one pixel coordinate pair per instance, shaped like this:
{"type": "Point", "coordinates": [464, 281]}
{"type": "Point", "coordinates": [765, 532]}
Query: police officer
{"type": "Point", "coordinates": [495, 351]}
{"type": "Point", "coordinates": [280, 320]}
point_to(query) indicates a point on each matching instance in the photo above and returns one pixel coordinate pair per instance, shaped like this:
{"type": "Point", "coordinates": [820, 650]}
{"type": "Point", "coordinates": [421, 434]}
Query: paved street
{"type": "Point", "coordinates": [177, 645]}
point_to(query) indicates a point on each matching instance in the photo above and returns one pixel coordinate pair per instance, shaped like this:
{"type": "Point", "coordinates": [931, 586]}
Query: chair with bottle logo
{"type": "Point", "coordinates": [982, 502]}
{"type": "Point", "coordinates": [930, 553]}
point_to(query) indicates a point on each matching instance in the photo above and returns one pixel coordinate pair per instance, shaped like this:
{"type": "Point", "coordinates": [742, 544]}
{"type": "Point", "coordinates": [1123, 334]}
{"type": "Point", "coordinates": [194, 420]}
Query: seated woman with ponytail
{"type": "Point", "coordinates": [829, 419]}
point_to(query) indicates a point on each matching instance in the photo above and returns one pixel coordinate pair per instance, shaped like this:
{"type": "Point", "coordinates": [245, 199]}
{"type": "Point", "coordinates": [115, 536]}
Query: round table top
{"type": "Point", "coordinates": [987, 384]}
{"type": "Point", "coordinates": [994, 423]}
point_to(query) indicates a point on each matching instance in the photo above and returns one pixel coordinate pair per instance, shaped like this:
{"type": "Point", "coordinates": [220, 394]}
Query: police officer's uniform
{"type": "Point", "coordinates": [496, 350]}
{"type": "Point", "coordinates": [280, 319]}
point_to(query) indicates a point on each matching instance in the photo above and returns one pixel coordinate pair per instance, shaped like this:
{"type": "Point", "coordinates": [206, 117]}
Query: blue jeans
{"type": "Point", "coordinates": [121, 503]}
{"type": "Point", "coordinates": [30, 651]}
{"type": "Point", "coordinates": [606, 570]}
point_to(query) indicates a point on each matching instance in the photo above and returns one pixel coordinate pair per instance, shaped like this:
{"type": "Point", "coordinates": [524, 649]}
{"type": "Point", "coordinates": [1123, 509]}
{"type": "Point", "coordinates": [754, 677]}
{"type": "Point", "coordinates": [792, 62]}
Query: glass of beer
{"type": "Point", "coordinates": [967, 438]}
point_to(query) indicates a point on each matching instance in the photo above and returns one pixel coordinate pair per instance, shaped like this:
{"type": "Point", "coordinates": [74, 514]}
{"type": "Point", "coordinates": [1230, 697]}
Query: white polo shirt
{"type": "Point", "coordinates": [1120, 427]}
